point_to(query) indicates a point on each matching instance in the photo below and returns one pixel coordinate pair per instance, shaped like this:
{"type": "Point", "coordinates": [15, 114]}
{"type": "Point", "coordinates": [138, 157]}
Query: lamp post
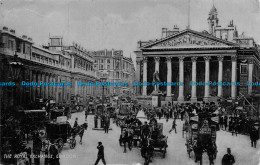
{"type": "Point", "coordinates": [98, 114]}
{"type": "Point", "coordinates": [15, 69]}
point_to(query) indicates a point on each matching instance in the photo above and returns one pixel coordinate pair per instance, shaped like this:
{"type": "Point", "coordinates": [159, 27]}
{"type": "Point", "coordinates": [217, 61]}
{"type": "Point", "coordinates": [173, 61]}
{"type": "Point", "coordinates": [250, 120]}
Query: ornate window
{"type": "Point", "coordinates": [243, 69]}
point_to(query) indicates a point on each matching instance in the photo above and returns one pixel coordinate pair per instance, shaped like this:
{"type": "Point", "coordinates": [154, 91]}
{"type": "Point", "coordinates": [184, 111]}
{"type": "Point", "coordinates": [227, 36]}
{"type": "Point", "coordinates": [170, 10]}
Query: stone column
{"type": "Point", "coordinates": [42, 86]}
{"type": "Point", "coordinates": [169, 78]}
{"type": "Point", "coordinates": [50, 87]}
{"type": "Point", "coordinates": [144, 76]}
{"type": "Point", "coordinates": [31, 87]}
{"type": "Point", "coordinates": [250, 76]}
{"type": "Point", "coordinates": [47, 87]}
{"type": "Point", "coordinates": [194, 75]}
{"type": "Point", "coordinates": [181, 79]}
{"type": "Point", "coordinates": [220, 75]}
{"type": "Point", "coordinates": [234, 77]}
{"type": "Point", "coordinates": [207, 73]}
{"type": "Point", "coordinates": [34, 87]}
{"type": "Point", "coordinates": [38, 91]}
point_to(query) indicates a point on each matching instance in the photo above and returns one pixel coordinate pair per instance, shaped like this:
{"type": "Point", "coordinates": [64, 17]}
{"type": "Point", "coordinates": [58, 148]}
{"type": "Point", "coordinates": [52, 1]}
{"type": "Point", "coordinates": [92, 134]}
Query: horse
{"type": "Point", "coordinates": [79, 130]}
{"type": "Point", "coordinates": [126, 137]}
{"type": "Point", "coordinates": [146, 150]}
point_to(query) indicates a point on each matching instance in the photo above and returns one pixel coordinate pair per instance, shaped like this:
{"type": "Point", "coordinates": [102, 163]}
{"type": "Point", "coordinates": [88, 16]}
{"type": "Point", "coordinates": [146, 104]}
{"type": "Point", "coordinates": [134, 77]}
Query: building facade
{"type": "Point", "coordinates": [59, 66]}
{"type": "Point", "coordinates": [118, 69]}
{"type": "Point", "coordinates": [219, 60]}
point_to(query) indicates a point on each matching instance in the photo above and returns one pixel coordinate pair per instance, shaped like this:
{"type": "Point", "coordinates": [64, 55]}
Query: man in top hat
{"type": "Point", "coordinates": [228, 159]}
{"type": "Point", "coordinates": [100, 154]}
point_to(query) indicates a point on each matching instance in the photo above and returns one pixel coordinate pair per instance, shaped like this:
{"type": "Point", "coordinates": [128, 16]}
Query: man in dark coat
{"type": "Point", "coordinates": [228, 159]}
{"type": "Point", "coordinates": [225, 122]}
{"type": "Point", "coordinates": [173, 126]}
{"type": "Point", "coordinates": [76, 123]}
{"type": "Point", "coordinates": [37, 145]}
{"type": "Point", "coordinates": [100, 154]}
{"type": "Point", "coordinates": [254, 136]}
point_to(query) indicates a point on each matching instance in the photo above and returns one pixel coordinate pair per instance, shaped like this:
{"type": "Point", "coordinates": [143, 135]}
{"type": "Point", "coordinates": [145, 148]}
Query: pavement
{"type": "Point", "coordinates": [86, 153]}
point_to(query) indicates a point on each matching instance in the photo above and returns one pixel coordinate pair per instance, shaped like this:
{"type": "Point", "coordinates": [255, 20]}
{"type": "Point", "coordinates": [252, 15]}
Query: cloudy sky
{"type": "Point", "coordinates": [119, 24]}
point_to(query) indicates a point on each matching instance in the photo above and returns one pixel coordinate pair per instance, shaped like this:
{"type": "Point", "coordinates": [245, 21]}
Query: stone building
{"type": "Point", "coordinates": [22, 60]}
{"type": "Point", "coordinates": [118, 69]}
{"type": "Point", "coordinates": [217, 55]}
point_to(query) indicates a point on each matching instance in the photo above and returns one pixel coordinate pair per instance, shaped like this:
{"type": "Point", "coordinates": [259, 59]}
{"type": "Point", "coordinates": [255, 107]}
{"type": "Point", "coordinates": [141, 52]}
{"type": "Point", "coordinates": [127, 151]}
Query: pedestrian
{"type": "Point", "coordinates": [159, 114]}
{"type": "Point", "coordinates": [76, 123]}
{"type": "Point", "coordinates": [100, 154]}
{"type": "Point", "coordinates": [37, 145]}
{"type": "Point", "coordinates": [235, 128]}
{"type": "Point", "coordinates": [254, 136]}
{"type": "Point", "coordinates": [221, 121]}
{"type": "Point", "coordinates": [106, 123]}
{"type": "Point", "coordinates": [228, 159]}
{"type": "Point", "coordinates": [28, 150]}
{"type": "Point", "coordinates": [54, 155]}
{"type": "Point", "coordinates": [173, 126]}
{"type": "Point", "coordinates": [86, 113]}
{"type": "Point", "coordinates": [225, 122]}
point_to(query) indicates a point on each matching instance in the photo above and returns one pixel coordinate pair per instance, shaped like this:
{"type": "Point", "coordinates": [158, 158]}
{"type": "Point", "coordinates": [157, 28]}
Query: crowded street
{"type": "Point", "coordinates": [129, 82]}
{"type": "Point", "coordinates": [176, 151]}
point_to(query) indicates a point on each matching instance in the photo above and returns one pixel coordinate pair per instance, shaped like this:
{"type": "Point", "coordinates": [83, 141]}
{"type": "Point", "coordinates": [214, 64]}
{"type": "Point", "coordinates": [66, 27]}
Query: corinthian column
{"type": "Point", "coordinates": [194, 75]}
{"type": "Point", "coordinates": [169, 76]}
{"type": "Point", "coordinates": [181, 79]}
{"type": "Point", "coordinates": [144, 76]}
{"type": "Point", "coordinates": [234, 77]}
{"type": "Point", "coordinates": [220, 75]}
{"type": "Point", "coordinates": [207, 73]}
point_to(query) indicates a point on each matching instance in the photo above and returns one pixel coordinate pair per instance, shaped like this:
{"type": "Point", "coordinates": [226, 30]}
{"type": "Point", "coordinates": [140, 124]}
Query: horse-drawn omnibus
{"type": "Point", "coordinates": [201, 135]}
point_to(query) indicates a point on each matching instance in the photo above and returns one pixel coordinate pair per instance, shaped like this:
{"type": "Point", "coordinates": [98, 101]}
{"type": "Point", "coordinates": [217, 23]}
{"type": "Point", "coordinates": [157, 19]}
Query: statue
{"type": "Point", "coordinates": [156, 79]}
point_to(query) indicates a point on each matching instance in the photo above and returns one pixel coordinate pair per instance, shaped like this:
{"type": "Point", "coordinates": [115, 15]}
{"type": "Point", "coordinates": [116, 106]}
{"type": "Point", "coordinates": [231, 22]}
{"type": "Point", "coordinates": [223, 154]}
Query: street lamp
{"type": "Point", "coordinates": [98, 115]}
{"type": "Point", "coordinates": [15, 70]}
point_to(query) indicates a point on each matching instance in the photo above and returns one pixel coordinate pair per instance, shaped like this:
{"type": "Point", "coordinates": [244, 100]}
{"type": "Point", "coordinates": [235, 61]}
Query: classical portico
{"type": "Point", "coordinates": [187, 49]}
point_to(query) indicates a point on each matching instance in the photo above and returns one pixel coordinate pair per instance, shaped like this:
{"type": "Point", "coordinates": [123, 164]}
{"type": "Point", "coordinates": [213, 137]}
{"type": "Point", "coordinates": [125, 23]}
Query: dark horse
{"type": "Point", "coordinates": [210, 149]}
{"type": "Point", "coordinates": [79, 130]}
{"type": "Point", "coordinates": [146, 150]}
{"type": "Point", "coordinates": [126, 137]}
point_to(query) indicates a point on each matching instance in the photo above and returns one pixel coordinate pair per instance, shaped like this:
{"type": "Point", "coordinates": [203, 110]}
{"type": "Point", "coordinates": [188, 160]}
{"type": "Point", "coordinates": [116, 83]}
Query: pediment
{"type": "Point", "coordinates": [188, 38]}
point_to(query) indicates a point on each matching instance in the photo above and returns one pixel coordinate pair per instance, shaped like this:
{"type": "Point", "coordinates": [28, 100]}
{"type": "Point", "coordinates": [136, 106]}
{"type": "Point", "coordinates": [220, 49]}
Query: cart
{"type": "Point", "coordinates": [158, 140]}
{"type": "Point", "coordinates": [201, 135]}
{"type": "Point", "coordinates": [59, 134]}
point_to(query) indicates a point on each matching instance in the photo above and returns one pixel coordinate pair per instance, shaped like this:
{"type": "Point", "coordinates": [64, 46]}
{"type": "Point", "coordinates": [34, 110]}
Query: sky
{"type": "Point", "coordinates": [120, 24]}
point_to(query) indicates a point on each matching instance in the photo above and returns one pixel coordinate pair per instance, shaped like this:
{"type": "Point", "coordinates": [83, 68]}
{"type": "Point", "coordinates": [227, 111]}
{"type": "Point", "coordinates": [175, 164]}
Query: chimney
{"type": "Point", "coordinates": [12, 31]}
{"type": "Point", "coordinates": [164, 32]}
{"type": "Point", "coordinates": [30, 39]}
{"type": "Point", "coordinates": [5, 28]}
{"type": "Point", "coordinates": [176, 29]}
{"type": "Point", "coordinates": [24, 36]}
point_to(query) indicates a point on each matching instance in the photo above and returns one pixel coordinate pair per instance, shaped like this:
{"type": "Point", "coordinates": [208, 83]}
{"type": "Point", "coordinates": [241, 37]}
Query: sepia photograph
{"type": "Point", "coordinates": [129, 82]}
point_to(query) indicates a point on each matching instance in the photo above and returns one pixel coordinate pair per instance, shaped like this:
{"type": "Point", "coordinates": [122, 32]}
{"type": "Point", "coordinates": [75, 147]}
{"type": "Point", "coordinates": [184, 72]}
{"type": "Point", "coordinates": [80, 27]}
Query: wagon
{"type": "Point", "coordinates": [59, 134]}
{"type": "Point", "coordinates": [201, 135]}
{"type": "Point", "coordinates": [158, 140]}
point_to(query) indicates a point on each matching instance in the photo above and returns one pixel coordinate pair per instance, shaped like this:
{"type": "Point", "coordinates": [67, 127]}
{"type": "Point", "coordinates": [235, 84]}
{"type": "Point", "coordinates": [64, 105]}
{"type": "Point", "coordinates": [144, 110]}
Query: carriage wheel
{"type": "Point", "coordinates": [164, 152]}
{"type": "Point", "coordinates": [72, 143]}
{"type": "Point", "coordinates": [60, 144]}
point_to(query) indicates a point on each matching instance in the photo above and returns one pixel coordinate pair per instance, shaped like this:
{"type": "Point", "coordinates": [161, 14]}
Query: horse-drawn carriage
{"type": "Point", "coordinates": [158, 140]}
{"type": "Point", "coordinates": [201, 136]}
{"type": "Point", "coordinates": [60, 133]}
